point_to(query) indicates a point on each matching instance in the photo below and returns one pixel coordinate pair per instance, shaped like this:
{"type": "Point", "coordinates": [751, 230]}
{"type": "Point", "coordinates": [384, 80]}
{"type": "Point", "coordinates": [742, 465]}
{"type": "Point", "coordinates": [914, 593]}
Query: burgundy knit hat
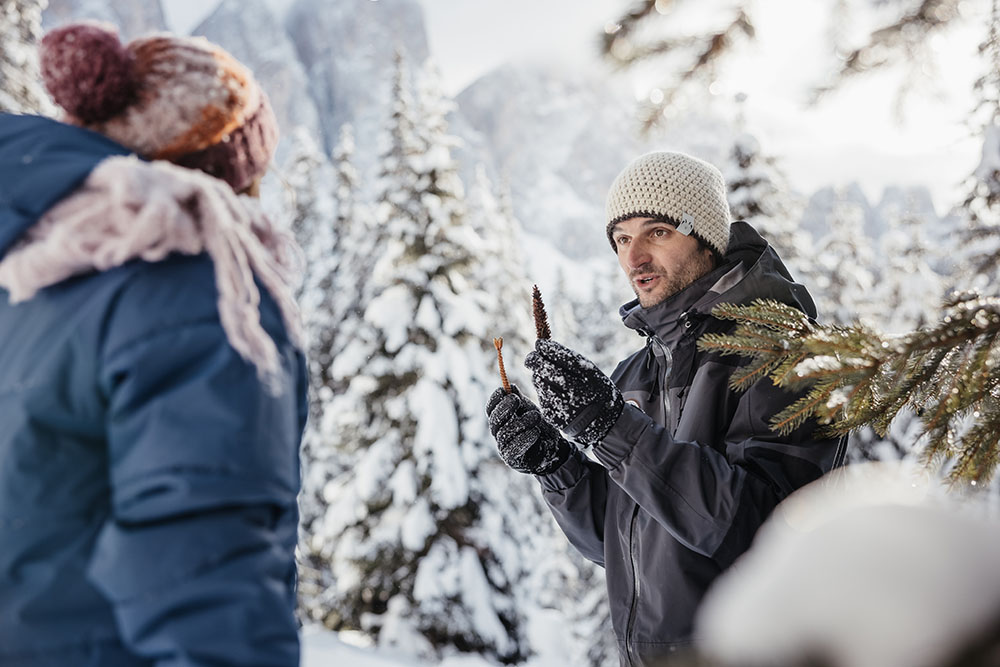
{"type": "Point", "coordinates": [181, 99]}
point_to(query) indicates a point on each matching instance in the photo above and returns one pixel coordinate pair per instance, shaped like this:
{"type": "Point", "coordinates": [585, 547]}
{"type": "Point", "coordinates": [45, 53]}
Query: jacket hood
{"type": "Point", "coordinates": [751, 269]}
{"type": "Point", "coordinates": [42, 161]}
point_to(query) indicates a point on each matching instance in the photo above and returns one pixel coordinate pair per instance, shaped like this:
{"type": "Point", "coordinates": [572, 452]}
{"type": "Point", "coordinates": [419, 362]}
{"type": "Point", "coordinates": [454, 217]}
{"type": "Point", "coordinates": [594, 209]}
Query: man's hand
{"type": "Point", "coordinates": [525, 441]}
{"type": "Point", "coordinates": [576, 397]}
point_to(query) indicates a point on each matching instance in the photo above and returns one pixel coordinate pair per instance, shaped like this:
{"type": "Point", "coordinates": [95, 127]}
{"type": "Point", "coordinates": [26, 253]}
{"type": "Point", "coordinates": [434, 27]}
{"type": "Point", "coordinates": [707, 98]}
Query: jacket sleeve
{"type": "Point", "coordinates": [577, 493]}
{"type": "Point", "coordinates": [710, 501]}
{"type": "Point", "coordinates": [197, 556]}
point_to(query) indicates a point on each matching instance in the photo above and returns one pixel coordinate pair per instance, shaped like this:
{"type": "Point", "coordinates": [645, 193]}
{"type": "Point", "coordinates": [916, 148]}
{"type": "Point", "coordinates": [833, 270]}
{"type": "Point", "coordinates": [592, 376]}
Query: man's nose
{"type": "Point", "coordinates": [637, 254]}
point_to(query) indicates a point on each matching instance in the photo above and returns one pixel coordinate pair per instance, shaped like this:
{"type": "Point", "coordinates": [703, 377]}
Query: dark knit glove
{"type": "Point", "coordinates": [576, 397]}
{"type": "Point", "coordinates": [525, 441]}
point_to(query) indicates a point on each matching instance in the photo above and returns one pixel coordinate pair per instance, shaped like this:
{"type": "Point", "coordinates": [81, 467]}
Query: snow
{"type": "Point", "coordinates": [547, 627]}
{"type": "Point", "coordinates": [374, 466]}
{"type": "Point", "coordinates": [477, 596]}
{"type": "Point", "coordinates": [403, 483]}
{"type": "Point", "coordinates": [989, 164]}
{"type": "Point", "coordinates": [418, 525]}
{"type": "Point", "coordinates": [427, 316]}
{"type": "Point", "coordinates": [838, 397]}
{"type": "Point", "coordinates": [351, 360]}
{"type": "Point", "coordinates": [548, 634]}
{"type": "Point", "coordinates": [818, 364]}
{"type": "Point", "coordinates": [398, 630]}
{"type": "Point", "coordinates": [873, 566]}
{"type": "Point", "coordinates": [436, 440]}
{"type": "Point", "coordinates": [435, 578]}
{"type": "Point", "coordinates": [321, 648]}
{"type": "Point", "coordinates": [391, 311]}
{"type": "Point", "coordinates": [462, 313]}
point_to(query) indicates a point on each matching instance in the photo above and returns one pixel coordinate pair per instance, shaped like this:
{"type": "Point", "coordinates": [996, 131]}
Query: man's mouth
{"type": "Point", "coordinates": [647, 280]}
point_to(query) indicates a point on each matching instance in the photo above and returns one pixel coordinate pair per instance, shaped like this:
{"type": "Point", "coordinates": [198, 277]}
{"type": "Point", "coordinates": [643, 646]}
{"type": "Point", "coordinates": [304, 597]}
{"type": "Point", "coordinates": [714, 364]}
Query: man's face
{"type": "Point", "coordinates": [658, 260]}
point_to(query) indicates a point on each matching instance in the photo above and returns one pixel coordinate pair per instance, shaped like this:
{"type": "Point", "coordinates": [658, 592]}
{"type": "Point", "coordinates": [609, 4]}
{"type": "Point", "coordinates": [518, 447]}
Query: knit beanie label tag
{"type": "Point", "coordinates": [687, 224]}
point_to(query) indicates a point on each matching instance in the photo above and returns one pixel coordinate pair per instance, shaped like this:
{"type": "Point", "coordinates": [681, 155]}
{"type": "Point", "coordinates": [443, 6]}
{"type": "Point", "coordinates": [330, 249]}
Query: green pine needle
{"type": "Point", "coordinates": [855, 377]}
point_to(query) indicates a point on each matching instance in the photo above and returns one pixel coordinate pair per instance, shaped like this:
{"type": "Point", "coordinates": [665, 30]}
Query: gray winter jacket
{"type": "Point", "coordinates": [691, 468]}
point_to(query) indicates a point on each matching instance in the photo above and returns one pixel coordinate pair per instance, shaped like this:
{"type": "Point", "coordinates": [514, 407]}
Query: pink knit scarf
{"type": "Point", "coordinates": [129, 209]}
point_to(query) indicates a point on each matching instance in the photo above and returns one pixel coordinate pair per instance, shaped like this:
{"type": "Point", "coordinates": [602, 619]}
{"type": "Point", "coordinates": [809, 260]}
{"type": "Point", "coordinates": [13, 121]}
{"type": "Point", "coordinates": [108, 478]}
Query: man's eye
{"type": "Point", "coordinates": [660, 232]}
{"type": "Point", "coordinates": [621, 240]}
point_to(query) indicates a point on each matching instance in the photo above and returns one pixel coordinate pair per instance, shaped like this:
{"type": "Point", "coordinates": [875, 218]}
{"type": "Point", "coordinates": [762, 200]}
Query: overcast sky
{"type": "Point", "coordinates": [853, 135]}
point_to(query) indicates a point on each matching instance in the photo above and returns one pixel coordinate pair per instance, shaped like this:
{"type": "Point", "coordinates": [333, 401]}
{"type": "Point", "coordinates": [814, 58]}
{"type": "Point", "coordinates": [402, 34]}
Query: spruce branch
{"type": "Point", "coordinates": [853, 376]}
{"type": "Point", "coordinates": [813, 404]}
{"type": "Point", "coordinates": [745, 376]}
{"type": "Point", "coordinates": [766, 313]}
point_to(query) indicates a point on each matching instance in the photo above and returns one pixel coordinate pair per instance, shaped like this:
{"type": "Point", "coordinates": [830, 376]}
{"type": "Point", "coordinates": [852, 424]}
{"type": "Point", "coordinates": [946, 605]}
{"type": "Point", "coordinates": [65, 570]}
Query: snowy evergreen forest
{"type": "Point", "coordinates": [424, 221]}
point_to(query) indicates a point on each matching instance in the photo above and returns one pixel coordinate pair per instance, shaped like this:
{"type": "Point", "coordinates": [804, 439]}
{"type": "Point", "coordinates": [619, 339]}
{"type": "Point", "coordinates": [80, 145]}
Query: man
{"type": "Point", "coordinates": [683, 469]}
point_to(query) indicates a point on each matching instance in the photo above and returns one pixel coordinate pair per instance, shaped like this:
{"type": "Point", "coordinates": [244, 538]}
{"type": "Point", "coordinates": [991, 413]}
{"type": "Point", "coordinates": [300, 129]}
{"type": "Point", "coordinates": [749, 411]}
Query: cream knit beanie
{"type": "Point", "coordinates": [683, 190]}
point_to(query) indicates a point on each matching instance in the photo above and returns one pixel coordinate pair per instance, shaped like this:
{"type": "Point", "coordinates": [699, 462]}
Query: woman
{"type": "Point", "coordinates": [152, 391]}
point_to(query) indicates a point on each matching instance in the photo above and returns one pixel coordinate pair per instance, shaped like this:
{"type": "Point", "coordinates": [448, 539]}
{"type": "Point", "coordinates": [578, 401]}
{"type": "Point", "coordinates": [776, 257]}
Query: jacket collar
{"type": "Point", "coordinates": [665, 319]}
{"type": "Point", "coordinates": [41, 161]}
{"type": "Point", "coordinates": [750, 270]}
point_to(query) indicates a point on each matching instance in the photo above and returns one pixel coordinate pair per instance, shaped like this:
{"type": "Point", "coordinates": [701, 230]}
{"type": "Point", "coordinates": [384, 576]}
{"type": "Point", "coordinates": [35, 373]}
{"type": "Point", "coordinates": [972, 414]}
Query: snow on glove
{"type": "Point", "coordinates": [576, 397]}
{"type": "Point", "coordinates": [525, 441]}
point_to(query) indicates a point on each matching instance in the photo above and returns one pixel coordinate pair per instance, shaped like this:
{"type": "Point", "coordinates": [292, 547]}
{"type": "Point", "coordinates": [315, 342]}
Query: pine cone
{"type": "Point", "coordinates": [541, 319]}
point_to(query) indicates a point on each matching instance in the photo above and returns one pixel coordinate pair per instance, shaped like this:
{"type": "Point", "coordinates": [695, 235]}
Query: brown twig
{"type": "Point", "coordinates": [498, 344]}
{"type": "Point", "coordinates": [541, 319]}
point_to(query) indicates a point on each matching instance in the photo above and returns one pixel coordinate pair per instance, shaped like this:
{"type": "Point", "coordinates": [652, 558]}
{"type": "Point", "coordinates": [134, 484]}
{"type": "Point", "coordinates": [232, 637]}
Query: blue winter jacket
{"type": "Point", "coordinates": [148, 480]}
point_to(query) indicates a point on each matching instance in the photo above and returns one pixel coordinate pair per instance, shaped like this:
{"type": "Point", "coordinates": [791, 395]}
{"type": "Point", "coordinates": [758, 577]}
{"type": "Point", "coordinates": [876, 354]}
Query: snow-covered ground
{"type": "Point", "coordinates": [322, 648]}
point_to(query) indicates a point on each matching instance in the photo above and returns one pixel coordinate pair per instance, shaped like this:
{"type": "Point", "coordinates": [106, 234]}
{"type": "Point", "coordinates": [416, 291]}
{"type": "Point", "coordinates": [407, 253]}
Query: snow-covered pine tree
{"type": "Point", "coordinates": [981, 210]}
{"type": "Point", "coordinates": [760, 193]}
{"type": "Point", "coordinates": [337, 255]}
{"type": "Point", "coordinates": [21, 88]}
{"type": "Point", "coordinates": [560, 579]}
{"type": "Point", "coordinates": [420, 534]}
{"type": "Point", "coordinates": [576, 589]}
{"type": "Point", "coordinates": [503, 272]}
{"type": "Point", "coordinates": [306, 173]}
{"type": "Point", "coordinates": [602, 337]}
{"type": "Point", "coordinates": [310, 186]}
{"type": "Point", "coordinates": [325, 304]}
{"type": "Point", "coordinates": [560, 306]}
{"type": "Point", "coordinates": [981, 207]}
{"type": "Point", "coordinates": [910, 291]}
{"type": "Point", "coordinates": [845, 266]}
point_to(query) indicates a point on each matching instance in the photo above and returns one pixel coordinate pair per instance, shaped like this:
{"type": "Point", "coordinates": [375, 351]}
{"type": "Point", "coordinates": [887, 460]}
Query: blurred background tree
{"type": "Point", "coordinates": [20, 81]}
{"type": "Point", "coordinates": [648, 32]}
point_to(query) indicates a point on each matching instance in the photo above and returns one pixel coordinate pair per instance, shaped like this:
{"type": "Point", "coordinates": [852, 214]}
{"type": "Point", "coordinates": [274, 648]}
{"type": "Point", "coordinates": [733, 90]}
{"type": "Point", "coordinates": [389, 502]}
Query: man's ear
{"type": "Point", "coordinates": [713, 257]}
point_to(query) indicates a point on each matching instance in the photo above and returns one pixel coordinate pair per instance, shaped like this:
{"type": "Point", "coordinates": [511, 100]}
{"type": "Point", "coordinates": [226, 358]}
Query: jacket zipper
{"type": "Point", "coordinates": [633, 608]}
{"type": "Point", "coordinates": [630, 626]}
{"type": "Point", "coordinates": [663, 377]}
